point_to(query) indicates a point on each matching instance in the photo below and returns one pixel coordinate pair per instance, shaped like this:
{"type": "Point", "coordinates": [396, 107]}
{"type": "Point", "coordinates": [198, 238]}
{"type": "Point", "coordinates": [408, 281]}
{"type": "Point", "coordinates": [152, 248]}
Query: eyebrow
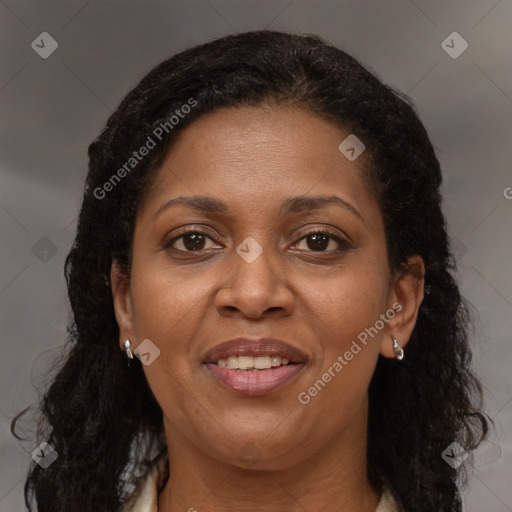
{"type": "Point", "coordinates": [291, 205]}
{"type": "Point", "coordinates": [302, 203]}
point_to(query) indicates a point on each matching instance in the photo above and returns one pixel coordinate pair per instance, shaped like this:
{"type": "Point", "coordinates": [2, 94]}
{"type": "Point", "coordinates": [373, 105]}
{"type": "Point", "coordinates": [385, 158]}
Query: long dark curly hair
{"type": "Point", "coordinates": [104, 435]}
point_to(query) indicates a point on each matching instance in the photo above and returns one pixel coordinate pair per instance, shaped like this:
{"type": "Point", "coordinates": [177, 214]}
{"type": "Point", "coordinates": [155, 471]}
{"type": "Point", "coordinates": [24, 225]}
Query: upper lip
{"type": "Point", "coordinates": [255, 347]}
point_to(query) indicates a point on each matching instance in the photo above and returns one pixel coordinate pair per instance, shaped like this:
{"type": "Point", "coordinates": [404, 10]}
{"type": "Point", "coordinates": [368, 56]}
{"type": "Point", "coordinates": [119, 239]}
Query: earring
{"type": "Point", "coordinates": [399, 351]}
{"type": "Point", "coordinates": [127, 345]}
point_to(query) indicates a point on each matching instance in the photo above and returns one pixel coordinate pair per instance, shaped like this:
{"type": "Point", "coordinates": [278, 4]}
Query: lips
{"type": "Point", "coordinates": [255, 382]}
{"type": "Point", "coordinates": [256, 348]}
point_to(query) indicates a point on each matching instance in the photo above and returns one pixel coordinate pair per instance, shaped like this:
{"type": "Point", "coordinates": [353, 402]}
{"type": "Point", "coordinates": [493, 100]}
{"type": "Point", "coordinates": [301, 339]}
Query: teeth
{"type": "Point", "coordinates": [252, 363]}
{"type": "Point", "coordinates": [245, 362]}
{"type": "Point", "coordinates": [275, 361]}
{"type": "Point", "coordinates": [262, 363]}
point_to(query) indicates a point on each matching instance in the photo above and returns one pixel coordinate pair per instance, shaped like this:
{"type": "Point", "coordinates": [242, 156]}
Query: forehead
{"type": "Point", "coordinates": [252, 156]}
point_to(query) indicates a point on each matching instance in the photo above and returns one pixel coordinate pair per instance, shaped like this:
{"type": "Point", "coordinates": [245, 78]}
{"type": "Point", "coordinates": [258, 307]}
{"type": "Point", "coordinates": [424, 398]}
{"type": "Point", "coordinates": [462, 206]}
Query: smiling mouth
{"type": "Point", "coordinates": [251, 363]}
{"type": "Point", "coordinates": [250, 380]}
{"type": "Point", "coordinates": [254, 367]}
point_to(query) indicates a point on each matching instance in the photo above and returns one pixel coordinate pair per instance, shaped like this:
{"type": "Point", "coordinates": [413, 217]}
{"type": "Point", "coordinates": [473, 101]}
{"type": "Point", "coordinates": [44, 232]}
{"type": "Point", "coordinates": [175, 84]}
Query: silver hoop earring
{"type": "Point", "coordinates": [127, 349]}
{"type": "Point", "coordinates": [399, 351]}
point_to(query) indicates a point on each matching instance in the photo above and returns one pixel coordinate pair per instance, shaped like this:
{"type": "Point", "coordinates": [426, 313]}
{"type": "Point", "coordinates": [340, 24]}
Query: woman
{"type": "Point", "coordinates": [264, 313]}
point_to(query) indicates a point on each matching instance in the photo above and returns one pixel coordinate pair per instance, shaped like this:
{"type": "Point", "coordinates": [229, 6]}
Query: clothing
{"type": "Point", "coordinates": [147, 498]}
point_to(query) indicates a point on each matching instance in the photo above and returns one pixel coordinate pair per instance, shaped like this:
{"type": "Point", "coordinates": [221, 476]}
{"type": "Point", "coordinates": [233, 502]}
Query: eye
{"type": "Point", "coordinates": [190, 241]}
{"type": "Point", "coordinates": [319, 241]}
{"type": "Point", "coordinates": [194, 240]}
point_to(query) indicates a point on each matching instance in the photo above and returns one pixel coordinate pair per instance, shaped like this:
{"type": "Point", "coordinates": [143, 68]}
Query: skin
{"type": "Point", "coordinates": [306, 457]}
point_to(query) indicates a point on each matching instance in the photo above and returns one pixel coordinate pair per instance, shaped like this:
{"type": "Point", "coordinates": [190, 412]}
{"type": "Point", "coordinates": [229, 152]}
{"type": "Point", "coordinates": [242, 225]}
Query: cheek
{"type": "Point", "coordinates": [164, 301]}
{"type": "Point", "coordinates": [347, 302]}
{"type": "Point", "coordinates": [344, 309]}
{"type": "Point", "coordinates": [346, 354]}
{"type": "Point", "coordinates": [167, 310]}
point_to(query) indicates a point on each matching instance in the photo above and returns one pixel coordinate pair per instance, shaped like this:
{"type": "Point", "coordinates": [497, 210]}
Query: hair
{"type": "Point", "coordinates": [102, 418]}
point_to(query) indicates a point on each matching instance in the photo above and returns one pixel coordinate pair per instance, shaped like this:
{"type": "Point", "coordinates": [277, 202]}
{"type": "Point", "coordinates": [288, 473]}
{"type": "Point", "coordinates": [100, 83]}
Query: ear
{"type": "Point", "coordinates": [406, 295]}
{"type": "Point", "coordinates": [123, 307]}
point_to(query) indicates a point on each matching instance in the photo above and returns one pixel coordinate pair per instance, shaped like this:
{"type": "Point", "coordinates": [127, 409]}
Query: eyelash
{"type": "Point", "coordinates": [343, 243]}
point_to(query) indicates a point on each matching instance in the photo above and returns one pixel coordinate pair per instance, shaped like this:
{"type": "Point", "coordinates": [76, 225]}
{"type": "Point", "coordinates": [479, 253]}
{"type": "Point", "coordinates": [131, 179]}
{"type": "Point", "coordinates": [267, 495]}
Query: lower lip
{"type": "Point", "coordinates": [254, 383]}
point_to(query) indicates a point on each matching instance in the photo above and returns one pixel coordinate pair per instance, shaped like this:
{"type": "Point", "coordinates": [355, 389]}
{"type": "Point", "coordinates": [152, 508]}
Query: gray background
{"type": "Point", "coordinates": [51, 109]}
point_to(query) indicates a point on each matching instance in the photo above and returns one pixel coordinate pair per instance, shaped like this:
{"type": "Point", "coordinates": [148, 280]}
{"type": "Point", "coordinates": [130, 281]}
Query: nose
{"type": "Point", "coordinates": [254, 289]}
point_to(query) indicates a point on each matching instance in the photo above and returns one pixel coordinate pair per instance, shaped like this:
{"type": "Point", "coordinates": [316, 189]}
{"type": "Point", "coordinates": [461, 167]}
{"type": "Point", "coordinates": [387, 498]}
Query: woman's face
{"type": "Point", "coordinates": [254, 268]}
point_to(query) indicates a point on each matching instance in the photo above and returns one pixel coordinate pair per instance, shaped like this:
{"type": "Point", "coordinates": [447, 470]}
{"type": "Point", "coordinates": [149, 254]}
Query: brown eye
{"type": "Point", "coordinates": [189, 241]}
{"type": "Point", "coordinates": [193, 241]}
{"type": "Point", "coordinates": [319, 241]}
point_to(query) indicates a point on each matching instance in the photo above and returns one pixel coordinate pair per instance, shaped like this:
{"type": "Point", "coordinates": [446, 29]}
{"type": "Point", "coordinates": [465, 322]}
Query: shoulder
{"type": "Point", "coordinates": [387, 503]}
{"type": "Point", "coordinates": [145, 498]}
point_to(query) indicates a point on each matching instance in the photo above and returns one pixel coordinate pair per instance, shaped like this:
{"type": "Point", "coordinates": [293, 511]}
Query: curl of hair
{"type": "Point", "coordinates": [103, 419]}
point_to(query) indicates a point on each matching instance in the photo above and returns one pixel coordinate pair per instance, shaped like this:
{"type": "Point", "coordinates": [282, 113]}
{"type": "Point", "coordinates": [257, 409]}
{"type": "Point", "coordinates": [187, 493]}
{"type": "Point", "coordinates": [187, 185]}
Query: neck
{"type": "Point", "coordinates": [332, 479]}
